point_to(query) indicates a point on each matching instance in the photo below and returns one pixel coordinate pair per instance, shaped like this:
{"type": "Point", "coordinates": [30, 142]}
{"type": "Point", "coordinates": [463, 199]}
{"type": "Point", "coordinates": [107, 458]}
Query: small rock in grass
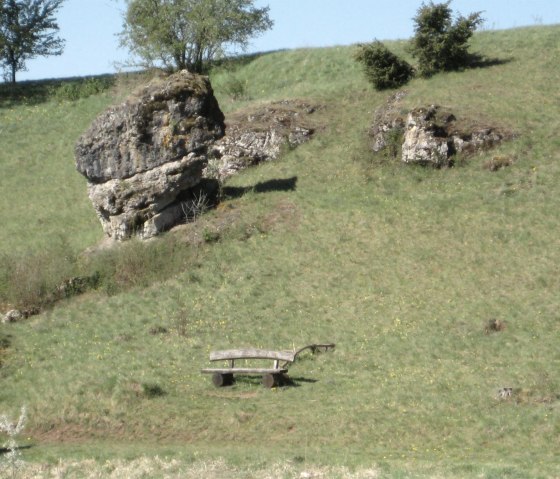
{"type": "Point", "coordinates": [505, 393]}
{"type": "Point", "coordinates": [495, 325]}
{"type": "Point", "coordinates": [12, 316]}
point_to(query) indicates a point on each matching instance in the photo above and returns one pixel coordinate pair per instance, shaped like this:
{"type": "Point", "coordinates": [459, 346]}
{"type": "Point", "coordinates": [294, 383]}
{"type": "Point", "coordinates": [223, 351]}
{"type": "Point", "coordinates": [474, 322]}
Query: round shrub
{"type": "Point", "coordinates": [382, 67]}
{"type": "Point", "coordinates": [439, 43]}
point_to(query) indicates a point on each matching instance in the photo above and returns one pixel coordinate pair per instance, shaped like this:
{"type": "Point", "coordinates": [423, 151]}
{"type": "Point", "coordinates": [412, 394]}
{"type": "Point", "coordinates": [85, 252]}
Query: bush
{"type": "Point", "coordinates": [72, 90]}
{"type": "Point", "coordinates": [235, 88]}
{"type": "Point", "coordinates": [438, 43]}
{"type": "Point", "coordinates": [382, 67]}
{"type": "Point", "coordinates": [30, 281]}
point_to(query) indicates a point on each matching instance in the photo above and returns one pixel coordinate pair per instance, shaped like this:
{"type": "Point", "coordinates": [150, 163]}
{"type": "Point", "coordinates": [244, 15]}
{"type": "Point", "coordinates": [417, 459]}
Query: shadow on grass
{"type": "Point", "coordinates": [6, 450]}
{"type": "Point", "coordinates": [287, 381]}
{"type": "Point", "coordinates": [35, 92]}
{"type": "Point", "coordinates": [295, 382]}
{"type": "Point", "coordinates": [27, 92]}
{"type": "Point", "coordinates": [285, 184]}
{"type": "Point", "coordinates": [238, 61]}
{"type": "Point", "coordinates": [480, 61]}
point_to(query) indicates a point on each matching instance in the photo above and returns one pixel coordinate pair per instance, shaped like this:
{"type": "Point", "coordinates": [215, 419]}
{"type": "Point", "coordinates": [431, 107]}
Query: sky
{"type": "Point", "coordinates": [91, 27]}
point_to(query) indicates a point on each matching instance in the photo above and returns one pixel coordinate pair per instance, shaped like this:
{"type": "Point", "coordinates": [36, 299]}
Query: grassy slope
{"type": "Point", "coordinates": [401, 267]}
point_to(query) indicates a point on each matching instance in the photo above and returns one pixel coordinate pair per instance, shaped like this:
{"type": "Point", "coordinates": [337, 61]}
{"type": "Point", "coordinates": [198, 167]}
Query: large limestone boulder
{"type": "Point", "coordinates": [143, 156]}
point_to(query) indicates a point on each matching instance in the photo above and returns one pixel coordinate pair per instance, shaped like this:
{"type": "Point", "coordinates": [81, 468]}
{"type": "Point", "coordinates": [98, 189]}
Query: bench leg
{"type": "Point", "coordinates": [272, 380]}
{"type": "Point", "coordinates": [219, 379]}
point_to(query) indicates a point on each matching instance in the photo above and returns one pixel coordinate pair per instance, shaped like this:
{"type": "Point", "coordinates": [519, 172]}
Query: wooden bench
{"type": "Point", "coordinates": [271, 377]}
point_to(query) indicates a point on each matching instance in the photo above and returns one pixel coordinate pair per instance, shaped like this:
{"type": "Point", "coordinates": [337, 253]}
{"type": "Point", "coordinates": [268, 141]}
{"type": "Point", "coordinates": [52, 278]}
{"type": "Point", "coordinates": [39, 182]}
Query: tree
{"type": "Point", "coordinates": [179, 34]}
{"type": "Point", "coordinates": [439, 43]}
{"type": "Point", "coordinates": [28, 29]}
{"type": "Point", "coordinates": [382, 67]}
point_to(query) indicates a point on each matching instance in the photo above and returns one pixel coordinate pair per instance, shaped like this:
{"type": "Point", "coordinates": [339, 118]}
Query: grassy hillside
{"type": "Point", "coordinates": [401, 267]}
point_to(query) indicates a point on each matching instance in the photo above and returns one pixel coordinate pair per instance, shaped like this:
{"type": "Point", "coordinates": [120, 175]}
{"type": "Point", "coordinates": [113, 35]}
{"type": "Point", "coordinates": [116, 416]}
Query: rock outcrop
{"type": "Point", "coordinates": [15, 315]}
{"type": "Point", "coordinates": [142, 157]}
{"type": "Point", "coordinates": [431, 135]}
{"type": "Point", "coordinates": [388, 123]}
{"type": "Point", "coordinates": [259, 135]}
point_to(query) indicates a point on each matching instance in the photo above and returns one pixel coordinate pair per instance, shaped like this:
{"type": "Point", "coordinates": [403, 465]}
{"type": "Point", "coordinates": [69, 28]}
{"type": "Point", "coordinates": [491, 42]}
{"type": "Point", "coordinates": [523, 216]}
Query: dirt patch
{"type": "Point", "coordinates": [230, 220]}
{"type": "Point", "coordinates": [285, 215]}
{"type": "Point", "coordinates": [285, 113]}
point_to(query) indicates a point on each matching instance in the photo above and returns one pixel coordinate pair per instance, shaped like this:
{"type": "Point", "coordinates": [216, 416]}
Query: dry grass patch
{"type": "Point", "coordinates": [166, 468]}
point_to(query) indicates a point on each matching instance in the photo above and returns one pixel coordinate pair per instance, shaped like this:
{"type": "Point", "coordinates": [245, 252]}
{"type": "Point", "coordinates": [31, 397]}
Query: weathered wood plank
{"type": "Point", "coordinates": [243, 371]}
{"type": "Point", "coordinates": [251, 353]}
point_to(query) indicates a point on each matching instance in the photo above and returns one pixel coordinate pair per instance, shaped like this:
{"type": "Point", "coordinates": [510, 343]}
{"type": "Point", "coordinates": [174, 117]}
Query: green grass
{"type": "Point", "coordinates": [401, 267]}
{"type": "Point", "coordinates": [43, 199]}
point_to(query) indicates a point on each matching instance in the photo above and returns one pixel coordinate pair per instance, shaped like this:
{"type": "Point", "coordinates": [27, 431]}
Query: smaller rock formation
{"type": "Point", "coordinates": [388, 122]}
{"type": "Point", "coordinates": [260, 135]}
{"type": "Point", "coordinates": [431, 136]}
{"type": "Point", "coordinates": [15, 315]}
{"type": "Point", "coordinates": [12, 316]}
{"type": "Point", "coordinates": [143, 156]}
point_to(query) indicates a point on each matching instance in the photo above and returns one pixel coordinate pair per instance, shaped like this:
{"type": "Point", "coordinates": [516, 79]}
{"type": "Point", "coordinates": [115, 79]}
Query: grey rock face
{"type": "Point", "coordinates": [141, 156]}
{"type": "Point", "coordinates": [387, 122]}
{"type": "Point", "coordinates": [424, 140]}
{"type": "Point", "coordinates": [15, 315]}
{"type": "Point", "coordinates": [12, 316]}
{"type": "Point", "coordinates": [431, 136]}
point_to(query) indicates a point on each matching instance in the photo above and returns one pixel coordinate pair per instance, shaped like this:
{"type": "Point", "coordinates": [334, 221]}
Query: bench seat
{"type": "Point", "coordinates": [244, 370]}
{"type": "Point", "coordinates": [271, 376]}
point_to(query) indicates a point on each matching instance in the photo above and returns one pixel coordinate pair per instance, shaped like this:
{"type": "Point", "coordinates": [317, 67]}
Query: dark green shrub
{"type": "Point", "coordinates": [440, 44]}
{"type": "Point", "coordinates": [152, 390]}
{"type": "Point", "coordinates": [382, 67]}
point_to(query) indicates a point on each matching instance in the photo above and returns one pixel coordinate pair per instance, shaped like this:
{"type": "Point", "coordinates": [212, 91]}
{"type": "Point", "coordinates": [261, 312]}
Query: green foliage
{"type": "Point", "coordinates": [180, 34]}
{"type": "Point", "coordinates": [440, 44]}
{"type": "Point", "coordinates": [382, 67]}
{"type": "Point", "coordinates": [210, 235]}
{"type": "Point", "coordinates": [28, 29]}
{"type": "Point", "coordinates": [235, 87]}
{"type": "Point", "coordinates": [75, 89]}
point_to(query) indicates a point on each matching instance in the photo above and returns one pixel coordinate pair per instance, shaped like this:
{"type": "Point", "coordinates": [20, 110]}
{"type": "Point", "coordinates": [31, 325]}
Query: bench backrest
{"type": "Point", "coordinates": [251, 353]}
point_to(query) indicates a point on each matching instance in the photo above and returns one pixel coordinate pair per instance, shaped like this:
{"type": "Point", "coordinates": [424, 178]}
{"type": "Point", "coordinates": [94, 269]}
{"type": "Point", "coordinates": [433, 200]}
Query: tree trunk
{"type": "Point", "coordinates": [13, 74]}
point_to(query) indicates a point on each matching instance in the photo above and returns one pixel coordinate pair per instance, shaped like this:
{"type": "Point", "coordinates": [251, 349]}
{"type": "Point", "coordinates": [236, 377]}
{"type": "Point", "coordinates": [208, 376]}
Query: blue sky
{"type": "Point", "coordinates": [90, 27]}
